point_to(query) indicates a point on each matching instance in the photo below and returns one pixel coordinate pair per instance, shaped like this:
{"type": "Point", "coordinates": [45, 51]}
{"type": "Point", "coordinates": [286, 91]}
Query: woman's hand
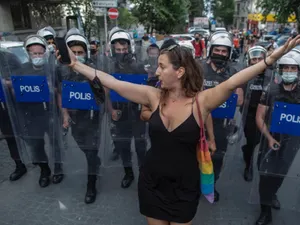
{"type": "Point", "coordinates": [288, 46]}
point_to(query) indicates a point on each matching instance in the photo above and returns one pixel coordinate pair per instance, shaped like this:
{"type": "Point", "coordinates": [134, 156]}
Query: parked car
{"type": "Point", "coordinates": [183, 38]}
{"type": "Point", "coordinates": [16, 48]}
{"type": "Point", "coordinates": [266, 38]}
{"type": "Point", "coordinates": [281, 41]}
{"type": "Point", "coordinates": [203, 32]}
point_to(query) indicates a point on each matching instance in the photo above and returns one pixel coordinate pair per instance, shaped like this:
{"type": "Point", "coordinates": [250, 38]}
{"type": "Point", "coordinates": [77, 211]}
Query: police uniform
{"type": "Point", "coordinates": [10, 63]}
{"type": "Point", "coordinates": [275, 166]}
{"type": "Point", "coordinates": [252, 133]}
{"type": "Point", "coordinates": [212, 79]}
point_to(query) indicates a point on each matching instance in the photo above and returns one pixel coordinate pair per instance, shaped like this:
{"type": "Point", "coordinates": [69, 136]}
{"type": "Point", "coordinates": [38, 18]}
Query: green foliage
{"type": "Point", "coordinates": [287, 8]}
{"type": "Point", "coordinates": [126, 19]}
{"type": "Point", "coordinates": [161, 15]}
{"type": "Point", "coordinates": [223, 10]}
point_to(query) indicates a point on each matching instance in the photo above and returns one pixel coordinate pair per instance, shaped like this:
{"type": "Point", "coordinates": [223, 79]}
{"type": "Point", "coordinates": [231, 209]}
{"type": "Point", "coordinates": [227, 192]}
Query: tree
{"type": "Point", "coordinates": [223, 10]}
{"type": "Point", "coordinates": [161, 15]}
{"type": "Point", "coordinates": [196, 9]}
{"type": "Point", "coordinates": [282, 13]}
{"type": "Point", "coordinates": [85, 11]}
{"type": "Point", "coordinates": [126, 19]}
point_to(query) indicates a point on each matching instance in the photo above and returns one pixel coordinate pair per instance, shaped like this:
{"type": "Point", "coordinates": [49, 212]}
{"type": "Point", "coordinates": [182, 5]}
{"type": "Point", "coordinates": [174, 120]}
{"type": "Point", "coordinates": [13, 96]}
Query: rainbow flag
{"type": "Point", "coordinates": [206, 170]}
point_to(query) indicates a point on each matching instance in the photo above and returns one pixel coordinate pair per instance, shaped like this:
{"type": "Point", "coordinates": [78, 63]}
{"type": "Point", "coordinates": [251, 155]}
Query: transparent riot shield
{"type": "Point", "coordinates": [248, 133]}
{"type": "Point", "coordinates": [82, 118]}
{"type": "Point", "coordinates": [277, 181]}
{"type": "Point", "coordinates": [33, 110]}
{"type": "Point", "coordinates": [128, 131]}
{"type": "Point", "coordinates": [14, 152]}
{"type": "Point", "coordinates": [223, 118]}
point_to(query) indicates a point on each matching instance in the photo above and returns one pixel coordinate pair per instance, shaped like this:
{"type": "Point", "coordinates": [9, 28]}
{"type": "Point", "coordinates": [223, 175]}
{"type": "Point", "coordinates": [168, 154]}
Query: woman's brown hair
{"type": "Point", "coordinates": [192, 80]}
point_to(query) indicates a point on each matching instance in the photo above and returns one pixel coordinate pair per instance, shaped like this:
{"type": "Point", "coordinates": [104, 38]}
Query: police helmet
{"type": "Point", "coordinates": [74, 38]}
{"type": "Point", "coordinates": [291, 58]}
{"type": "Point", "coordinates": [47, 32]}
{"type": "Point", "coordinates": [119, 34]}
{"type": "Point", "coordinates": [220, 38]}
{"type": "Point", "coordinates": [35, 40]}
{"type": "Point", "coordinates": [254, 52]}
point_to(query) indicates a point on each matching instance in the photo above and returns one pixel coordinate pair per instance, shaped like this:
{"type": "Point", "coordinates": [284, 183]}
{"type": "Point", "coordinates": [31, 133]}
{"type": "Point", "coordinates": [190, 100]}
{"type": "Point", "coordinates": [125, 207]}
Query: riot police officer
{"type": "Point", "coordinates": [49, 34]}
{"type": "Point", "coordinates": [254, 89]}
{"type": "Point", "coordinates": [218, 68]}
{"type": "Point", "coordinates": [279, 144]}
{"type": "Point", "coordinates": [9, 63]}
{"type": "Point", "coordinates": [35, 119]}
{"type": "Point", "coordinates": [85, 124]}
{"type": "Point", "coordinates": [128, 124]}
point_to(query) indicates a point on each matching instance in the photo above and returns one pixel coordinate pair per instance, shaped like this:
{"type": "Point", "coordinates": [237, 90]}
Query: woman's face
{"type": "Point", "coordinates": [169, 77]}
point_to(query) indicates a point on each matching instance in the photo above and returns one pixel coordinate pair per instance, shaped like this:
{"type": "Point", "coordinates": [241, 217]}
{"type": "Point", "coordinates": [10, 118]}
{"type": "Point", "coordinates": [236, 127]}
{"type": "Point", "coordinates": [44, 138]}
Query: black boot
{"type": "Point", "coordinates": [91, 192]}
{"type": "Point", "coordinates": [275, 203]}
{"type": "Point", "coordinates": [44, 180]}
{"type": "Point", "coordinates": [248, 174]}
{"type": "Point", "coordinates": [19, 171]}
{"type": "Point", "coordinates": [265, 215]}
{"type": "Point", "coordinates": [58, 174]}
{"type": "Point", "coordinates": [217, 196]}
{"type": "Point", "coordinates": [128, 178]}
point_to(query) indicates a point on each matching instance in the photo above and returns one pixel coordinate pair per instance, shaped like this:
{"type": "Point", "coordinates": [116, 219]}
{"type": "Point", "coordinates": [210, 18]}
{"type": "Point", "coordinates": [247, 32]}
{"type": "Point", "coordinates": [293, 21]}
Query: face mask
{"type": "Point", "coordinates": [38, 61]}
{"type": "Point", "coordinates": [220, 61]}
{"type": "Point", "coordinates": [289, 77]}
{"type": "Point", "coordinates": [197, 39]}
{"type": "Point", "coordinates": [51, 48]}
{"type": "Point", "coordinates": [80, 58]}
{"type": "Point", "coordinates": [123, 57]}
{"type": "Point", "coordinates": [93, 51]}
{"type": "Point", "coordinates": [153, 61]}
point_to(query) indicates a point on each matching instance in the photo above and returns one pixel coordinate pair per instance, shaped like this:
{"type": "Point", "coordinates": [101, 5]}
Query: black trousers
{"type": "Point", "coordinates": [86, 132]}
{"type": "Point", "coordinates": [220, 132]}
{"type": "Point", "coordinates": [252, 135]}
{"type": "Point", "coordinates": [127, 127]}
{"type": "Point", "coordinates": [273, 167]}
{"type": "Point", "coordinates": [7, 131]}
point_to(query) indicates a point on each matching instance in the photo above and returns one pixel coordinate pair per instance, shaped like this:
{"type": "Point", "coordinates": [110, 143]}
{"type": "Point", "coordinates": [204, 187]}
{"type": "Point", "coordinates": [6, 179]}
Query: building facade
{"type": "Point", "coordinates": [19, 18]}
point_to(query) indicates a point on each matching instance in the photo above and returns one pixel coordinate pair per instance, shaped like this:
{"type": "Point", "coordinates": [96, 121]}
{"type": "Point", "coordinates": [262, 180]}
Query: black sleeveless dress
{"type": "Point", "coordinates": [169, 181]}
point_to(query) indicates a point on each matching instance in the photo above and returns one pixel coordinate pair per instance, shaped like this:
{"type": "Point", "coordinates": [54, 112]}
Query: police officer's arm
{"type": "Point", "coordinates": [240, 94]}
{"type": "Point", "coordinates": [260, 120]}
{"type": "Point", "coordinates": [213, 97]}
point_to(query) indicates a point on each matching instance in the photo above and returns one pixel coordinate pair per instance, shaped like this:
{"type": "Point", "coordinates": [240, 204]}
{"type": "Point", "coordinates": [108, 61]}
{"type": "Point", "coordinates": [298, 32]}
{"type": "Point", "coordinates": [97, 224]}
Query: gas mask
{"type": "Point", "coordinates": [123, 57]}
{"type": "Point", "coordinates": [81, 58]}
{"type": "Point", "coordinates": [93, 51]}
{"type": "Point", "coordinates": [220, 61]}
{"type": "Point", "coordinates": [289, 77]}
{"type": "Point", "coordinates": [38, 62]}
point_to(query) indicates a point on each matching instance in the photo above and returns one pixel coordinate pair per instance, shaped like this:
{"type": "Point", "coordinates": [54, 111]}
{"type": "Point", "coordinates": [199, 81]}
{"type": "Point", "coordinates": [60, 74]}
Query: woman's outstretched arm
{"type": "Point", "coordinates": [140, 94]}
{"type": "Point", "coordinates": [214, 97]}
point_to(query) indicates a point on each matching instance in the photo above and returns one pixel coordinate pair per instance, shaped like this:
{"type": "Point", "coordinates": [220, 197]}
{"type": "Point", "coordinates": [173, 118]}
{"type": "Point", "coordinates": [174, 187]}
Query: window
{"type": "Point", "coordinates": [238, 9]}
{"type": "Point", "coordinates": [20, 15]}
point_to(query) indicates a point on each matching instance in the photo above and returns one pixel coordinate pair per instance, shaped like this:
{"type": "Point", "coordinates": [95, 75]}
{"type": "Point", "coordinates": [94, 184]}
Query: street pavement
{"type": "Point", "coordinates": [23, 202]}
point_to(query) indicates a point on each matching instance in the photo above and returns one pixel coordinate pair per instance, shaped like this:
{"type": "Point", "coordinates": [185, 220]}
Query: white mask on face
{"type": "Point", "coordinates": [51, 48]}
{"type": "Point", "coordinates": [40, 61]}
{"type": "Point", "coordinates": [289, 77]}
{"type": "Point", "coordinates": [80, 58]}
